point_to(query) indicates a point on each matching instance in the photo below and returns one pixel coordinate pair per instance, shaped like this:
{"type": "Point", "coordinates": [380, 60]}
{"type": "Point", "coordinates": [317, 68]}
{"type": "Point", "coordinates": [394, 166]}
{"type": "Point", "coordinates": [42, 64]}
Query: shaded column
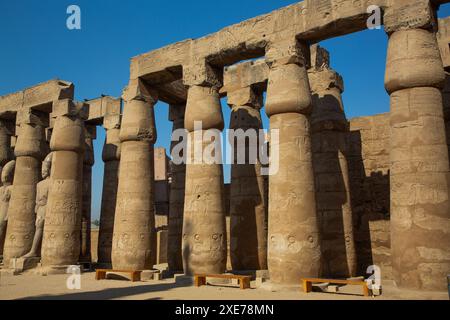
{"type": "Point", "coordinates": [176, 199]}
{"type": "Point", "coordinates": [134, 221]}
{"type": "Point", "coordinates": [62, 227]}
{"type": "Point", "coordinates": [111, 158]}
{"type": "Point", "coordinates": [204, 229]}
{"type": "Point", "coordinates": [248, 203]}
{"type": "Point", "coordinates": [88, 162]}
{"type": "Point", "coordinates": [30, 149]}
{"type": "Point", "coordinates": [419, 173]}
{"type": "Point", "coordinates": [5, 142]}
{"type": "Point", "coordinates": [294, 242]}
{"type": "Point", "coordinates": [329, 129]}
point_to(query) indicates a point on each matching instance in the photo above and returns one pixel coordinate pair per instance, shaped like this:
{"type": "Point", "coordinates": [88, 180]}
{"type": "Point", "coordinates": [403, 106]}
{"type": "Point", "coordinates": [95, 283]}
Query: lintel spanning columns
{"type": "Point", "coordinates": [62, 228]}
{"type": "Point", "coordinates": [134, 220]}
{"type": "Point", "coordinates": [329, 129]}
{"type": "Point", "coordinates": [177, 191]}
{"type": "Point", "coordinates": [294, 234]}
{"type": "Point", "coordinates": [419, 173]}
{"type": "Point", "coordinates": [204, 247]}
{"type": "Point", "coordinates": [248, 202]}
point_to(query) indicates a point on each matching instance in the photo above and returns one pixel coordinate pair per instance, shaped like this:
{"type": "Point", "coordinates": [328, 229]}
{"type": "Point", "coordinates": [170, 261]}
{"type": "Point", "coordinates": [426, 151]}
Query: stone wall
{"type": "Point", "coordinates": [369, 181]}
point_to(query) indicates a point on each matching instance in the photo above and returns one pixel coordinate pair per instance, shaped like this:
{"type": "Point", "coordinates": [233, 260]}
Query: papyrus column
{"type": "Point", "coordinates": [204, 232]}
{"type": "Point", "coordinates": [88, 162]}
{"type": "Point", "coordinates": [293, 241]}
{"type": "Point", "coordinates": [248, 203]}
{"type": "Point", "coordinates": [62, 228]}
{"type": "Point", "coordinates": [134, 221]}
{"type": "Point", "coordinates": [176, 205]}
{"type": "Point", "coordinates": [329, 129]}
{"type": "Point", "coordinates": [419, 173]}
{"type": "Point", "coordinates": [30, 149]}
{"type": "Point", "coordinates": [111, 158]}
{"type": "Point", "coordinates": [5, 142]}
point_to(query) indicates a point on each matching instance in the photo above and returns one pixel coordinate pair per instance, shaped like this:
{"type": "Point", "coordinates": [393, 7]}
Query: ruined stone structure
{"type": "Point", "coordinates": [344, 195]}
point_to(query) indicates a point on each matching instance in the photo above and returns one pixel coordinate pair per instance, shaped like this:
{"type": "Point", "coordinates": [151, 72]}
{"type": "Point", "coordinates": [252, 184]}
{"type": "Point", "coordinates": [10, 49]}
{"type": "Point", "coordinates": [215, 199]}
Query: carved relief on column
{"type": "Point", "coordinates": [177, 187]}
{"type": "Point", "coordinates": [111, 158]}
{"type": "Point", "coordinates": [134, 221]}
{"type": "Point", "coordinates": [30, 150]}
{"type": "Point", "coordinates": [88, 162]}
{"type": "Point", "coordinates": [204, 245]}
{"type": "Point", "coordinates": [6, 131]}
{"type": "Point", "coordinates": [248, 203]}
{"type": "Point", "coordinates": [294, 234]}
{"type": "Point", "coordinates": [419, 173]}
{"type": "Point", "coordinates": [62, 228]}
{"type": "Point", "coordinates": [330, 150]}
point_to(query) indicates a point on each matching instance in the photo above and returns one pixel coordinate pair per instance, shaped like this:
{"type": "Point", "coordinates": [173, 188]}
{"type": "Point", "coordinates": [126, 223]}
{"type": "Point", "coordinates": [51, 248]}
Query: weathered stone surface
{"type": "Point", "coordinates": [330, 152]}
{"type": "Point", "coordinates": [294, 240]}
{"type": "Point", "coordinates": [134, 222]}
{"type": "Point", "coordinates": [30, 150]}
{"type": "Point", "coordinates": [443, 37]}
{"type": "Point", "coordinates": [176, 205]}
{"type": "Point", "coordinates": [204, 231]}
{"type": "Point", "coordinates": [369, 180]}
{"type": "Point", "coordinates": [7, 176]}
{"type": "Point", "coordinates": [62, 229]}
{"type": "Point", "coordinates": [419, 172]}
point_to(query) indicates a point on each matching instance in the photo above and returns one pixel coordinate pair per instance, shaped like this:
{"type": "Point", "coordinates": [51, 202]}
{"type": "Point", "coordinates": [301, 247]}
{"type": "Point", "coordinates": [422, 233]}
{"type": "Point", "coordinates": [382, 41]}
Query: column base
{"type": "Point", "coordinates": [23, 264]}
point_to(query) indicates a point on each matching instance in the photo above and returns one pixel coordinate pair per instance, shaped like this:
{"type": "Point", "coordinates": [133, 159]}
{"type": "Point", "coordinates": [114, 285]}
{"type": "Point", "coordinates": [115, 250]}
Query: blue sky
{"type": "Point", "coordinates": [36, 46]}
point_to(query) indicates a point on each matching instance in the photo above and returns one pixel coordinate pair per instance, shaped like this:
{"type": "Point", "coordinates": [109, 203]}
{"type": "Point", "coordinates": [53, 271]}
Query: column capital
{"type": "Point", "coordinates": [138, 90]}
{"type": "Point", "coordinates": [246, 96]}
{"type": "Point", "coordinates": [200, 73]}
{"type": "Point", "coordinates": [403, 15]}
{"type": "Point", "coordinates": [284, 52]}
{"type": "Point", "coordinates": [325, 79]}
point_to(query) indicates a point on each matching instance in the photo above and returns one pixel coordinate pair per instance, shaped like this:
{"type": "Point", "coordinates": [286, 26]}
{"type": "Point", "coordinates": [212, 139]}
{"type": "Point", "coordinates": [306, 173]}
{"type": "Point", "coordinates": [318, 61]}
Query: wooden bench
{"type": "Point", "coordinates": [244, 281]}
{"type": "Point", "coordinates": [100, 274]}
{"type": "Point", "coordinates": [307, 284]}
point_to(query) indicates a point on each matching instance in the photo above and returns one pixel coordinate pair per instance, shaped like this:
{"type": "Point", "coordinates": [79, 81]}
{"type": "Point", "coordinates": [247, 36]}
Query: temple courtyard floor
{"type": "Point", "coordinates": [31, 286]}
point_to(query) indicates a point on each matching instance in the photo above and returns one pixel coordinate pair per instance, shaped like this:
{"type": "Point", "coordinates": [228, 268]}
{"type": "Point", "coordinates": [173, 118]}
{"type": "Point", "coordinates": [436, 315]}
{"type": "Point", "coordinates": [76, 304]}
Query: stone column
{"type": "Point", "coordinates": [30, 149]}
{"type": "Point", "coordinates": [176, 199]}
{"type": "Point", "coordinates": [329, 129]}
{"type": "Point", "coordinates": [5, 142]}
{"type": "Point", "coordinates": [111, 158]}
{"type": "Point", "coordinates": [88, 162]}
{"type": "Point", "coordinates": [204, 245]}
{"type": "Point", "coordinates": [134, 221]}
{"type": "Point", "coordinates": [62, 228]}
{"type": "Point", "coordinates": [248, 203]}
{"type": "Point", "coordinates": [294, 242]}
{"type": "Point", "coordinates": [419, 173]}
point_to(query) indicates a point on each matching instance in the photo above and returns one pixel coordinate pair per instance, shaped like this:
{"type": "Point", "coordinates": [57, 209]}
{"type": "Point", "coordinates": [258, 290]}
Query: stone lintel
{"type": "Point", "coordinates": [443, 37]}
{"type": "Point", "coordinates": [308, 20]}
{"type": "Point", "coordinates": [39, 97]}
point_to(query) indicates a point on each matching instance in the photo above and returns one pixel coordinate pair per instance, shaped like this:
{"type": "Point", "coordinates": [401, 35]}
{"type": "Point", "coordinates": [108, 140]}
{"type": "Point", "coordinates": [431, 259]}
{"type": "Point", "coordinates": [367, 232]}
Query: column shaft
{"type": "Point", "coordinates": [29, 152]}
{"type": "Point", "coordinates": [176, 205]}
{"type": "Point", "coordinates": [134, 221]}
{"type": "Point", "coordinates": [62, 228]}
{"type": "Point", "coordinates": [419, 174]}
{"type": "Point", "coordinates": [204, 232]}
{"type": "Point", "coordinates": [294, 242]}
{"type": "Point", "coordinates": [111, 156]}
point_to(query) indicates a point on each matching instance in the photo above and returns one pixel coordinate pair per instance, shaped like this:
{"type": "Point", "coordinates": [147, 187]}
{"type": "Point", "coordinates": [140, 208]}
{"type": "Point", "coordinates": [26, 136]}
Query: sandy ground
{"type": "Point", "coordinates": [30, 286]}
